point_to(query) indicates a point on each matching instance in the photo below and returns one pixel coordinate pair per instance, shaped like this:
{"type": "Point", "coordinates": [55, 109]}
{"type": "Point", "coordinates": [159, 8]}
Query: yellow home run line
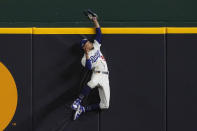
{"type": "Point", "coordinates": [118, 30]}
{"type": "Point", "coordinates": [104, 30]}
{"type": "Point", "coordinates": [15, 30]}
{"type": "Point", "coordinates": [181, 30]}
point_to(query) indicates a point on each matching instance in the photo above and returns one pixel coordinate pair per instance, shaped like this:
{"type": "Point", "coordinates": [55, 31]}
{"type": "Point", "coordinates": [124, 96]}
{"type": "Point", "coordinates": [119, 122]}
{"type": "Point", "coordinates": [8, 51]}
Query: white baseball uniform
{"type": "Point", "coordinates": [100, 80]}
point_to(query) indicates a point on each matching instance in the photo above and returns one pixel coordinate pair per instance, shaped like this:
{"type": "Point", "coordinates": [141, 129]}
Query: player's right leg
{"type": "Point", "coordinates": [86, 90]}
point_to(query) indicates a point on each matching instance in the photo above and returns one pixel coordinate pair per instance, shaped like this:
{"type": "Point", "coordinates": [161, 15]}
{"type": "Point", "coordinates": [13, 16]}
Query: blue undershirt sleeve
{"type": "Point", "coordinates": [98, 35]}
{"type": "Point", "coordinates": [88, 64]}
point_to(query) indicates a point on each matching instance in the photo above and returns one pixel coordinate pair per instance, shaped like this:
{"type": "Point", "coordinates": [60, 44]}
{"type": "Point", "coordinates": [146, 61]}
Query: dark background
{"type": "Point", "coordinates": [64, 13]}
{"type": "Point", "coordinates": [181, 82]}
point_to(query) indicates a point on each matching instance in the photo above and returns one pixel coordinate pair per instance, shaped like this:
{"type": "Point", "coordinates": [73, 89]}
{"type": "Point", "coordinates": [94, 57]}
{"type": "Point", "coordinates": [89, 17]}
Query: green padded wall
{"type": "Point", "coordinates": [112, 13]}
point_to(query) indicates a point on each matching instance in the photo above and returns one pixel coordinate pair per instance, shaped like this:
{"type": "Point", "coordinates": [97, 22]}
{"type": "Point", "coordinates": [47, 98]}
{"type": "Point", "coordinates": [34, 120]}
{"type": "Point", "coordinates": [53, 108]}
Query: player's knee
{"type": "Point", "coordinates": [91, 84]}
{"type": "Point", "coordinates": [104, 106]}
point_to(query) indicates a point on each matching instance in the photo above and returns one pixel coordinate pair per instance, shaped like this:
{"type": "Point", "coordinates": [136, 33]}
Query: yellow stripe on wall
{"type": "Point", "coordinates": [115, 30]}
{"type": "Point", "coordinates": [158, 30]}
{"type": "Point", "coordinates": [182, 30]}
{"type": "Point", "coordinates": [63, 31]}
{"type": "Point", "coordinates": [15, 30]}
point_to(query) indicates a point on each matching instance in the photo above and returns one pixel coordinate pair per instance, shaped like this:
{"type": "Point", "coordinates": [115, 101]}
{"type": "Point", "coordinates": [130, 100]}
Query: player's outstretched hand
{"type": "Point", "coordinates": [94, 18]}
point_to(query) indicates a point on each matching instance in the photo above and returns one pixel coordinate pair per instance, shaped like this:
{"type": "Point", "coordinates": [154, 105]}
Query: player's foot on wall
{"type": "Point", "coordinates": [75, 104]}
{"type": "Point", "coordinates": [79, 111]}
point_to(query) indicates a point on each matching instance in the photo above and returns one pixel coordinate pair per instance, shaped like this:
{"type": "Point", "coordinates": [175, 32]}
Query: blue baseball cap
{"type": "Point", "coordinates": [83, 41]}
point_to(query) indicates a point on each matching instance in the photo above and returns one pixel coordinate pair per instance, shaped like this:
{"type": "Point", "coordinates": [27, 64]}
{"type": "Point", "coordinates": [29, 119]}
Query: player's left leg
{"type": "Point", "coordinates": [85, 91]}
{"type": "Point", "coordinates": [95, 78]}
{"type": "Point", "coordinates": [104, 93]}
{"type": "Point", "coordinates": [81, 109]}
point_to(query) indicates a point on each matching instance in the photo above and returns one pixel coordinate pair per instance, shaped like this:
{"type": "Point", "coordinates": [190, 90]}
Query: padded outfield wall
{"type": "Point", "coordinates": [152, 78]}
{"type": "Point", "coordinates": [64, 13]}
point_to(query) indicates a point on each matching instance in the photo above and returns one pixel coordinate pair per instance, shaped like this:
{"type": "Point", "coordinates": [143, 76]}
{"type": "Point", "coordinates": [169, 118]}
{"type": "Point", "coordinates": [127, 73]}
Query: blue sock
{"type": "Point", "coordinates": [84, 92]}
{"type": "Point", "coordinates": [92, 107]}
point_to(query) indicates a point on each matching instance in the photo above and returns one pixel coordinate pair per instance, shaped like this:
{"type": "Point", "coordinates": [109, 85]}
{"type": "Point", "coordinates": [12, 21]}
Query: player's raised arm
{"type": "Point", "coordinates": [96, 23]}
{"type": "Point", "coordinates": [93, 17]}
{"type": "Point", "coordinates": [98, 36]}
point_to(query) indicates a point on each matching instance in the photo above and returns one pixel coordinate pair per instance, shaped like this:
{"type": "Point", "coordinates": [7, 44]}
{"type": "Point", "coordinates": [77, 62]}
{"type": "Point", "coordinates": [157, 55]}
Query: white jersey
{"type": "Point", "coordinates": [96, 57]}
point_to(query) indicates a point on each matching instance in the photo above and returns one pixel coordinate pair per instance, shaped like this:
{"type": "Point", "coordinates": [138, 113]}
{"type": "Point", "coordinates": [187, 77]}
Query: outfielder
{"type": "Point", "coordinates": [93, 60]}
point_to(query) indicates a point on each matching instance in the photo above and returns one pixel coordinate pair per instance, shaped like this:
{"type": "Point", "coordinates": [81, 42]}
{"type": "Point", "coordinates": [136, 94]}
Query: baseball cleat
{"type": "Point", "coordinates": [79, 111]}
{"type": "Point", "coordinates": [75, 104]}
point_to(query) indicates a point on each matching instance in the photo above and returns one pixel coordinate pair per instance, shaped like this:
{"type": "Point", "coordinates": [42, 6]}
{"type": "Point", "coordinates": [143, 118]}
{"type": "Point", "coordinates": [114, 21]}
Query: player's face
{"type": "Point", "coordinates": [88, 46]}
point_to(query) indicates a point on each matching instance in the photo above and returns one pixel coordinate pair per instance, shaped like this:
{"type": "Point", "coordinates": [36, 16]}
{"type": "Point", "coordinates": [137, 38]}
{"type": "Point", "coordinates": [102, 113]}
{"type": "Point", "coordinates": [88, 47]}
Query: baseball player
{"type": "Point", "coordinates": [93, 60]}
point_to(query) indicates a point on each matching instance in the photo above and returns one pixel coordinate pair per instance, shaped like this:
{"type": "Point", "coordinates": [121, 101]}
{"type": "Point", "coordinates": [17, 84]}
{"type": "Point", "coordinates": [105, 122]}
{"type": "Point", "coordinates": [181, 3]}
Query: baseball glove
{"type": "Point", "coordinates": [90, 14]}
